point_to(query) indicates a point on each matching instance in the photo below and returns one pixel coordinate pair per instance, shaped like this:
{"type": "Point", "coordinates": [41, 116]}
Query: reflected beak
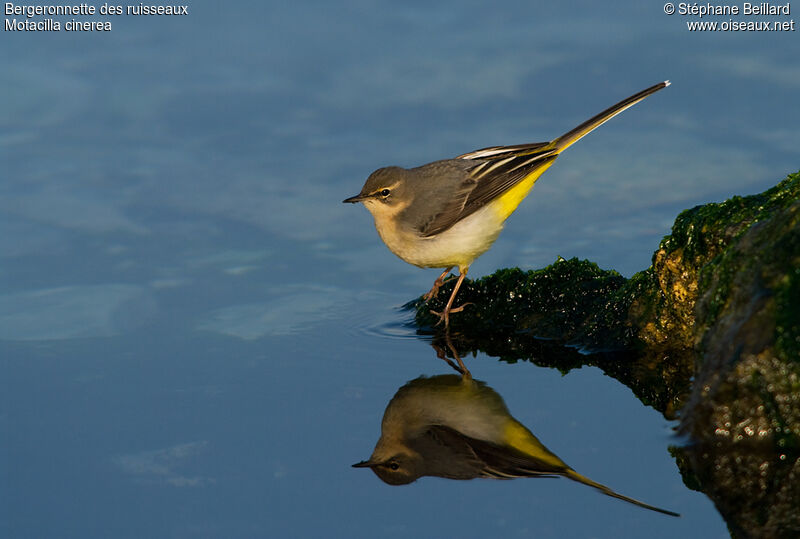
{"type": "Point", "coordinates": [357, 198]}
{"type": "Point", "coordinates": [363, 463]}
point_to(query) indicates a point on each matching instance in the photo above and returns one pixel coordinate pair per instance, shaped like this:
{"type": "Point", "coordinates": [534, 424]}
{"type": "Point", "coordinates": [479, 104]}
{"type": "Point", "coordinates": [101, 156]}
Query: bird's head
{"type": "Point", "coordinates": [385, 191]}
{"type": "Point", "coordinates": [400, 468]}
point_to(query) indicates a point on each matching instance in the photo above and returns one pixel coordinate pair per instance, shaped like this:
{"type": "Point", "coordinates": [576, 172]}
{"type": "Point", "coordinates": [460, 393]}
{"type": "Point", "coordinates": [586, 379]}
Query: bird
{"type": "Point", "coordinates": [457, 427]}
{"type": "Point", "coordinates": [448, 213]}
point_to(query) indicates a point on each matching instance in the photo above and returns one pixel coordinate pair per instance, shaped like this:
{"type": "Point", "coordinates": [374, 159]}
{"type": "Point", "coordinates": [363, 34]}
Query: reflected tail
{"type": "Point", "coordinates": [575, 476]}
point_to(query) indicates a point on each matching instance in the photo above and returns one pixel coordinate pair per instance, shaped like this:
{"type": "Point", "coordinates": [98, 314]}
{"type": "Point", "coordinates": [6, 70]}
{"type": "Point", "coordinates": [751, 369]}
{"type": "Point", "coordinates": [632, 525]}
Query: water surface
{"type": "Point", "coordinates": [198, 339]}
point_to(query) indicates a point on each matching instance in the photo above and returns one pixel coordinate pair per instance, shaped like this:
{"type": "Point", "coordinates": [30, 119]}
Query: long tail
{"type": "Point", "coordinates": [570, 137]}
{"type": "Point", "coordinates": [575, 476]}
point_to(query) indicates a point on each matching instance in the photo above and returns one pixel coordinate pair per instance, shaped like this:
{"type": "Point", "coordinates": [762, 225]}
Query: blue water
{"type": "Point", "coordinates": [197, 338]}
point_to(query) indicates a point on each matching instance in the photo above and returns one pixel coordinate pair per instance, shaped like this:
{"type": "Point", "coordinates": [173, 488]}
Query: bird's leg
{"type": "Point", "coordinates": [445, 315]}
{"type": "Point", "coordinates": [436, 285]}
{"type": "Point", "coordinates": [440, 353]}
{"type": "Point", "coordinates": [463, 368]}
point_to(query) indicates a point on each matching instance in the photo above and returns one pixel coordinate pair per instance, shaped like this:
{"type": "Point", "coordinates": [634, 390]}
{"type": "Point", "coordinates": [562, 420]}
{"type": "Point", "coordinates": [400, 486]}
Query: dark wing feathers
{"type": "Point", "coordinates": [489, 460]}
{"type": "Point", "coordinates": [475, 179]}
{"type": "Point", "coordinates": [442, 199]}
{"type": "Point", "coordinates": [449, 454]}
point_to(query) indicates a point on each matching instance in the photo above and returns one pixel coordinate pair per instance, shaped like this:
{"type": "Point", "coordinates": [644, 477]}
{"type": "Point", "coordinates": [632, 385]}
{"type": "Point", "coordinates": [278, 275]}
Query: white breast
{"type": "Point", "coordinates": [457, 246]}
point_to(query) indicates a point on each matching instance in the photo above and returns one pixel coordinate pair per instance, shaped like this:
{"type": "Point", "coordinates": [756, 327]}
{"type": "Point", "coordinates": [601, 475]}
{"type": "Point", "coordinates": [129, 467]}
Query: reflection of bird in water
{"type": "Point", "coordinates": [459, 428]}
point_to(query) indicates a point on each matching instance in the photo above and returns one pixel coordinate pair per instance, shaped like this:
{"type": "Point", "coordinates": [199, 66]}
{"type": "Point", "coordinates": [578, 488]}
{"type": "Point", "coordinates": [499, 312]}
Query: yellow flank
{"type": "Point", "coordinates": [523, 440]}
{"type": "Point", "coordinates": [506, 203]}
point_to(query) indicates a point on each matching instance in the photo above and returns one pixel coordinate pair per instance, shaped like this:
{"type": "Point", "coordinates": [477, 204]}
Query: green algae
{"type": "Point", "coordinates": [555, 302]}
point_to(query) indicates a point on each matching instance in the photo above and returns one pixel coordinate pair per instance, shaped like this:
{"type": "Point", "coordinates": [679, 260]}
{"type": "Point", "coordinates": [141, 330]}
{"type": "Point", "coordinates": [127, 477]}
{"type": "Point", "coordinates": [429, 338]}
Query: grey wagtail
{"type": "Point", "coordinates": [448, 213]}
{"type": "Point", "coordinates": [458, 428]}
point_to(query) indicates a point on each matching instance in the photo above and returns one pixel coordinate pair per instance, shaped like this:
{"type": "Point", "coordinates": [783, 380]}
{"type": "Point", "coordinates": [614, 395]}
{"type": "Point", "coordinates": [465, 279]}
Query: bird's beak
{"type": "Point", "coordinates": [357, 198]}
{"type": "Point", "coordinates": [363, 463]}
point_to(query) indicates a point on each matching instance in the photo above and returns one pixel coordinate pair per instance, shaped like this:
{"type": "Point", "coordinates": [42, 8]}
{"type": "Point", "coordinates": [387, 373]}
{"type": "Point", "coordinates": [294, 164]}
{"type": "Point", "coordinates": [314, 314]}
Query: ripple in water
{"type": "Point", "coordinates": [382, 316]}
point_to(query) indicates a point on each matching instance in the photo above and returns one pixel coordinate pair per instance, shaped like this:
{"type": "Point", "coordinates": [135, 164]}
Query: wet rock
{"type": "Point", "coordinates": [748, 337]}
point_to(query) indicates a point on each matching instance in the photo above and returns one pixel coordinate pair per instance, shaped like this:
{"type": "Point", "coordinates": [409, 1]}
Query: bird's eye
{"type": "Point", "coordinates": [394, 466]}
{"type": "Point", "coordinates": [385, 193]}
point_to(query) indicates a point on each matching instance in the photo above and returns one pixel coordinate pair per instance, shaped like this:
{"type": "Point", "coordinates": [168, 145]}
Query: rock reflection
{"type": "Point", "coordinates": [456, 427]}
{"type": "Point", "coordinates": [754, 487]}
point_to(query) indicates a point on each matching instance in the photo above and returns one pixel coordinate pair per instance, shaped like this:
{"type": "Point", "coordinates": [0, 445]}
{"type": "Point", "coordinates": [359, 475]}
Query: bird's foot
{"type": "Point", "coordinates": [432, 292]}
{"type": "Point", "coordinates": [437, 284]}
{"type": "Point", "coordinates": [444, 316]}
